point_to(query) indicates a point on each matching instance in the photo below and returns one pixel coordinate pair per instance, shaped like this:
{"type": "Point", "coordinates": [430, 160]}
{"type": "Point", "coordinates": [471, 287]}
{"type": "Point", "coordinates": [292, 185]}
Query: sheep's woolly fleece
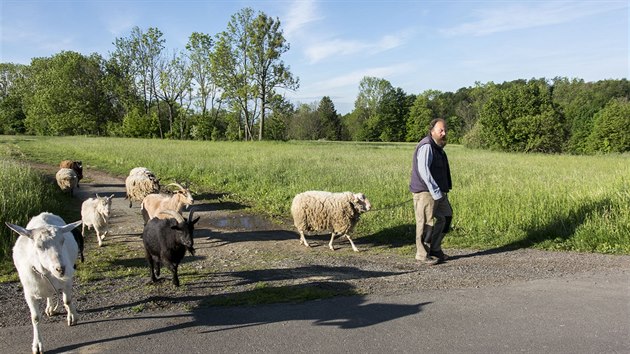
{"type": "Point", "coordinates": [66, 179]}
{"type": "Point", "coordinates": [322, 211]}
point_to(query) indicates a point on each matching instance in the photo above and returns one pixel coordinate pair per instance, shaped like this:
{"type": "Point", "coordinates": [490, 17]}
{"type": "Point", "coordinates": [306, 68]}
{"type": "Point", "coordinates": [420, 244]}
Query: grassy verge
{"type": "Point", "coordinates": [501, 200]}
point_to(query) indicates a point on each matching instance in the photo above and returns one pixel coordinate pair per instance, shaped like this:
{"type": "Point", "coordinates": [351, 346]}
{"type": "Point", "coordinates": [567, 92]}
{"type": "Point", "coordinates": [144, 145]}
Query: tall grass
{"type": "Point", "coordinates": [500, 200]}
{"type": "Point", "coordinates": [23, 194]}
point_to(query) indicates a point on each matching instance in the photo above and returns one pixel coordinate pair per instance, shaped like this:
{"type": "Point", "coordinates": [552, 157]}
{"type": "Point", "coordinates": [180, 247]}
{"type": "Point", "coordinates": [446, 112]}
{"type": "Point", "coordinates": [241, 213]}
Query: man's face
{"type": "Point", "coordinates": [438, 133]}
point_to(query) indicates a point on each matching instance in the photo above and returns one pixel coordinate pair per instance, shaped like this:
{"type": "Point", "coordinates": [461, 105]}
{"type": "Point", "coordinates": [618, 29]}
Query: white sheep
{"type": "Point", "coordinates": [152, 204]}
{"type": "Point", "coordinates": [44, 255]}
{"type": "Point", "coordinates": [95, 213]}
{"type": "Point", "coordinates": [67, 179]}
{"type": "Point", "coordinates": [140, 183]}
{"type": "Point", "coordinates": [326, 211]}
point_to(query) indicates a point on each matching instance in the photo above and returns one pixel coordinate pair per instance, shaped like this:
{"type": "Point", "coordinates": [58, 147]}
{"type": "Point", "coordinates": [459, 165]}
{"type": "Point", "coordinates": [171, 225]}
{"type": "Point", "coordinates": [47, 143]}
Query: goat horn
{"type": "Point", "coordinates": [176, 185]}
{"type": "Point", "coordinates": [190, 215]}
{"type": "Point", "coordinates": [175, 215]}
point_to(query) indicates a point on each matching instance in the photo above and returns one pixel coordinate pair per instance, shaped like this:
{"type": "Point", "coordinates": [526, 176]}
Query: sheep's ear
{"type": "Point", "coordinates": [69, 227]}
{"type": "Point", "coordinates": [20, 230]}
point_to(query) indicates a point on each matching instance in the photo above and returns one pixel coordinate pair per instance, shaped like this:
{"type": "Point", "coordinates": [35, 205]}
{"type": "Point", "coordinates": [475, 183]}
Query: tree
{"type": "Point", "coordinates": [174, 83]}
{"type": "Point", "coordinates": [269, 72]}
{"type": "Point", "coordinates": [12, 80]}
{"type": "Point", "coordinates": [232, 68]}
{"type": "Point", "coordinates": [521, 116]}
{"type": "Point", "coordinates": [420, 115]}
{"type": "Point", "coordinates": [365, 121]}
{"type": "Point", "coordinates": [65, 95]}
{"type": "Point", "coordinates": [200, 50]}
{"type": "Point", "coordinates": [138, 57]}
{"type": "Point", "coordinates": [330, 120]}
{"type": "Point", "coordinates": [610, 129]}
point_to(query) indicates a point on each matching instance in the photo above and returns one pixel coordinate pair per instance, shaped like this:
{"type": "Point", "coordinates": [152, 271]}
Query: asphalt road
{"type": "Point", "coordinates": [588, 313]}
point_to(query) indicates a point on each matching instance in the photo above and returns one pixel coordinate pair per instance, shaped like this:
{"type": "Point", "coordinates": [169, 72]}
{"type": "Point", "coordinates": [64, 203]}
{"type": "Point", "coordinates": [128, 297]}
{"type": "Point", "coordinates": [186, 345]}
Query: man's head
{"type": "Point", "coordinates": [438, 131]}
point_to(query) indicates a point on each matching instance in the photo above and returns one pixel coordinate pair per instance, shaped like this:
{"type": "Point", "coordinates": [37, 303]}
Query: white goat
{"type": "Point", "coordinates": [152, 204]}
{"type": "Point", "coordinates": [140, 183]}
{"type": "Point", "coordinates": [321, 211]}
{"type": "Point", "coordinates": [95, 213]}
{"type": "Point", "coordinates": [44, 255]}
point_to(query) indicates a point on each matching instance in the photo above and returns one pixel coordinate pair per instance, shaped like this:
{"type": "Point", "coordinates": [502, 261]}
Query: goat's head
{"type": "Point", "coordinates": [48, 242]}
{"type": "Point", "coordinates": [104, 205]}
{"type": "Point", "coordinates": [183, 193]}
{"type": "Point", "coordinates": [186, 228]}
{"type": "Point", "coordinates": [361, 203]}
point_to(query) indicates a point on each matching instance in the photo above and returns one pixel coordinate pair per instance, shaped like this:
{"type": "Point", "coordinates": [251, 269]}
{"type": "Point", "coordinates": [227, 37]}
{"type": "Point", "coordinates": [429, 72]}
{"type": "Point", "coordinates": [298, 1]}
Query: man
{"type": "Point", "coordinates": [430, 184]}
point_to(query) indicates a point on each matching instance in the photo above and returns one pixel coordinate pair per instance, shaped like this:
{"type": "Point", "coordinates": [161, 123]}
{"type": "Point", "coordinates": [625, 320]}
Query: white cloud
{"type": "Point", "coordinates": [353, 78]}
{"type": "Point", "coordinates": [338, 47]}
{"type": "Point", "coordinates": [300, 14]}
{"type": "Point", "coordinates": [529, 15]}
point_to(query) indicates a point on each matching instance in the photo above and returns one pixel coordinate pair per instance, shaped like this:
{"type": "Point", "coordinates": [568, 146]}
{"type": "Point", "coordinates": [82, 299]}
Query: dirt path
{"type": "Point", "coordinates": [238, 253]}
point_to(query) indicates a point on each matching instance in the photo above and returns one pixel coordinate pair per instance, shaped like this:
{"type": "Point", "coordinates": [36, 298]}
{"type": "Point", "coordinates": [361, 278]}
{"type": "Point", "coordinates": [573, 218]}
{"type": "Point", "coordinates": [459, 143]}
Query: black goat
{"type": "Point", "coordinates": [166, 241]}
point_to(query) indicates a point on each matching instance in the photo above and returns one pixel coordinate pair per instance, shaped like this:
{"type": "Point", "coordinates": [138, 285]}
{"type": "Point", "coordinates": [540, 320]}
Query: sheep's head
{"type": "Point", "coordinates": [361, 203]}
{"type": "Point", "coordinates": [48, 242]}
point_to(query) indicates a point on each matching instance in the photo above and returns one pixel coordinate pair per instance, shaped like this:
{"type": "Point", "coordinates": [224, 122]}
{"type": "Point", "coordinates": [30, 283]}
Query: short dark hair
{"type": "Point", "coordinates": [435, 121]}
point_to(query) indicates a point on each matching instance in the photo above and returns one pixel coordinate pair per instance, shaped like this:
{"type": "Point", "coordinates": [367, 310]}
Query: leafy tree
{"type": "Point", "coordinates": [330, 120]}
{"type": "Point", "coordinates": [520, 116]}
{"type": "Point", "coordinates": [365, 122]}
{"type": "Point", "coordinates": [137, 59]}
{"type": "Point", "coordinates": [268, 70]}
{"type": "Point", "coordinates": [610, 129]}
{"type": "Point", "coordinates": [200, 50]}
{"type": "Point", "coordinates": [393, 111]}
{"type": "Point", "coordinates": [12, 79]}
{"type": "Point", "coordinates": [420, 115]}
{"type": "Point", "coordinates": [232, 68]}
{"type": "Point", "coordinates": [65, 95]}
{"type": "Point", "coordinates": [174, 84]}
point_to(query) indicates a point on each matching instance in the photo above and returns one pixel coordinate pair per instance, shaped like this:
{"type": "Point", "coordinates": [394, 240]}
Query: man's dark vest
{"type": "Point", "coordinates": [439, 168]}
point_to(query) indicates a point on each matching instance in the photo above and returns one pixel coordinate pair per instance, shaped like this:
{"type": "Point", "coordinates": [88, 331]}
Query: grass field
{"type": "Point", "coordinates": [500, 200]}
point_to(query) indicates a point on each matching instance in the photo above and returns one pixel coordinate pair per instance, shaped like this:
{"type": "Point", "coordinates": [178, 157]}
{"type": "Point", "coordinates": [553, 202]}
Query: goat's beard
{"type": "Point", "coordinates": [191, 250]}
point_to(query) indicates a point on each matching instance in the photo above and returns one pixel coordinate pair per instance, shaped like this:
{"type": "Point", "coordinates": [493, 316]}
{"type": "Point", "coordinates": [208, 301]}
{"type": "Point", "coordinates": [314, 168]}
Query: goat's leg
{"type": "Point", "coordinates": [68, 303]}
{"type": "Point", "coordinates": [303, 239]}
{"type": "Point", "coordinates": [98, 237]}
{"type": "Point", "coordinates": [354, 248]}
{"type": "Point", "coordinates": [330, 244]}
{"type": "Point", "coordinates": [149, 258]}
{"type": "Point", "coordinates": [37, 346]}
{"type": "Point", "coordinates": [50, 309]}
{"type": "Point", "coordinates": [173, 268]}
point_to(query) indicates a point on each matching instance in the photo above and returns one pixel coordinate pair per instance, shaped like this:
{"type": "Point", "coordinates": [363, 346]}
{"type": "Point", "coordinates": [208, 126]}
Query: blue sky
{"type": "Point", "coordinates": [415, 45]}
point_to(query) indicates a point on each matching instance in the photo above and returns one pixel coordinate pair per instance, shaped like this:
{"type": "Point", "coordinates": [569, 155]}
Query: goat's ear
{"type": "Point", "coordinates": [69, 227]}
{"type": "Point", "coordinates": [111, 196]}
{"type": "Point", "coordinates": [97, 195]}
{"type": "Point", "coordinates": [20, 230]}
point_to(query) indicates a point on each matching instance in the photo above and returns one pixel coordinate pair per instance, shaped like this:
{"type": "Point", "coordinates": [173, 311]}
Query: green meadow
{"type": "Point", "coordinates": [500, 200]}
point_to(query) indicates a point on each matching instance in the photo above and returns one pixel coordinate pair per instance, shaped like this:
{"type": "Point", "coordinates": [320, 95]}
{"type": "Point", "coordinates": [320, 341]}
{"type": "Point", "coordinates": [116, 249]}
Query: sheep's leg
{"type": "Point", "coordinates": [354, 248]}
{"type": "Point", "coordinates": [303, 240]}
{"type": "Point", "coordinates": [36, 315]}
{"type": "Point", "coordinates": [330, 244]}
{"type": "Point", "coordinates": [73, 316]}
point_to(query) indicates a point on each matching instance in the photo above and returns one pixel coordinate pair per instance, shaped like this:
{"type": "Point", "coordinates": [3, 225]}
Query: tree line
{"type": "Point", "coordinates": [229, 87]}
